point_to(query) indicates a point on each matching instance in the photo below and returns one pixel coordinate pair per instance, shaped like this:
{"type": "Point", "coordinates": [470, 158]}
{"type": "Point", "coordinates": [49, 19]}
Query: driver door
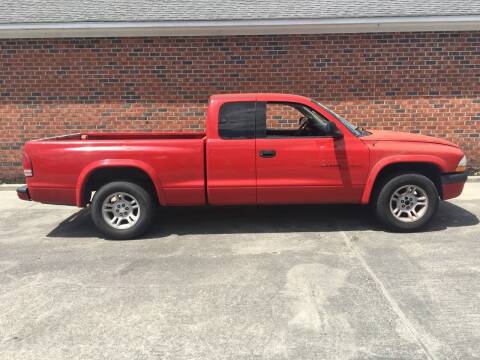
{"type": "Point", "coordinates": [296, 167]}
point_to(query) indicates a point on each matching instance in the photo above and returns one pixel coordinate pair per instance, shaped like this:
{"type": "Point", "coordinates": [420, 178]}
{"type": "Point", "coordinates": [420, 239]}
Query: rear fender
{"type": "Point", "coordinates": [110, 163]}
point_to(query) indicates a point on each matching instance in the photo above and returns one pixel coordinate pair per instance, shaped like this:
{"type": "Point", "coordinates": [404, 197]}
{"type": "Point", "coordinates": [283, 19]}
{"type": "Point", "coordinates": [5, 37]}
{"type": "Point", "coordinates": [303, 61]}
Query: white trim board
{"type": "Point", "coordinates": [241, 27]}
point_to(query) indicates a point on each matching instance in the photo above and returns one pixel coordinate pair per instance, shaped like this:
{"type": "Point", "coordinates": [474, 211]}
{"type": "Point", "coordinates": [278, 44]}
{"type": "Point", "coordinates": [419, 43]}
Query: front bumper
{"type": "Point", "coordinates": [452, 185]}
{"type": "Point", "coordinates": [22, 193]}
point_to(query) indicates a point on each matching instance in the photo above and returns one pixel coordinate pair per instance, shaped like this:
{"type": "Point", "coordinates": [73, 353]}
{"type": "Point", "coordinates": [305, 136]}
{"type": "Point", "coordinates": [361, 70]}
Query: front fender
{"type": "Point", "coordinates": [398, 159]}
{"type": "Point", "coordinates": [110, 163]}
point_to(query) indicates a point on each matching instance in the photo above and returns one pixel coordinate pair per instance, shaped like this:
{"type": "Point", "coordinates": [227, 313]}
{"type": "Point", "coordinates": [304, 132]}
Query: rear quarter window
{"type": "Point", "coordinates": [237, 120]}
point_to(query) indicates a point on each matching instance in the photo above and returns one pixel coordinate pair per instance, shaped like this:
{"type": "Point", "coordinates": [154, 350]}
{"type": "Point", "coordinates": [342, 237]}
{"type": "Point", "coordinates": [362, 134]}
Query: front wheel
{"type": "Point", "coordinates": [406, 202]}
{"type": "Point", "coordinates": [122, 210]}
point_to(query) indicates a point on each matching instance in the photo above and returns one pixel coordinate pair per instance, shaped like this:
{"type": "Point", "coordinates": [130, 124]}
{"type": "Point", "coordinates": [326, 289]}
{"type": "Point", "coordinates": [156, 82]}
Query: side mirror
{"type": "Point", "coordinates": [333, 130]}
{"type": "Point", "coordinates": [302, 120]}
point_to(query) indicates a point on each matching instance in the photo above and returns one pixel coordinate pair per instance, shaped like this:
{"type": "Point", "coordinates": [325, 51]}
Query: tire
{"type": "Point", "coordinates": [130, 203]}
{"type": "Point", "coordinates": [400, 197]}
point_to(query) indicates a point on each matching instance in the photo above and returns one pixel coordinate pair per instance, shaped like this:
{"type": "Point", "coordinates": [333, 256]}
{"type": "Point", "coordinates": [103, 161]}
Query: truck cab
{"type": "Point", "coordinates": [270, 149]}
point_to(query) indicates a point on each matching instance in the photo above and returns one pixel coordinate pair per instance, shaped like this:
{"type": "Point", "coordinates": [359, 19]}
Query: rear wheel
{"type": "Point", "coordinates": [406, 202]}
{"type": "Point", "coordinates": [122, 210]}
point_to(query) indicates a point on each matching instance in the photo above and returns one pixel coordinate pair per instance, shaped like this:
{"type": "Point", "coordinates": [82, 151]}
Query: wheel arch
{"type": "Point", "coordinates": [117, 170]}
{"type": "Point", "coordinates": [431, 167]}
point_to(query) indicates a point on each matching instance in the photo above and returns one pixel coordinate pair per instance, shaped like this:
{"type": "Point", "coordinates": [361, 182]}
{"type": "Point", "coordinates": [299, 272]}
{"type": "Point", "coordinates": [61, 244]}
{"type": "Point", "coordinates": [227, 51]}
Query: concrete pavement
{"type": "Point", "coordinates": [302, 282]}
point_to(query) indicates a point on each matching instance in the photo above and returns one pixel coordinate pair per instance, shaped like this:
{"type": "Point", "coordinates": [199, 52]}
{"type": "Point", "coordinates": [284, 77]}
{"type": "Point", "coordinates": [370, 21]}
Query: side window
{"type": "Point", "coordinates": [282, 117]}
{"type": "Point", "coordinates": [290, 120]}
{"type": "Point", "coordinates": [237, 120]}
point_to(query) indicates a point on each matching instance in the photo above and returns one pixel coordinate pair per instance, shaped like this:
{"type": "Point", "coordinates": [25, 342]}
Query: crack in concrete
{"type": "Point", "coordinates": [390, 300]}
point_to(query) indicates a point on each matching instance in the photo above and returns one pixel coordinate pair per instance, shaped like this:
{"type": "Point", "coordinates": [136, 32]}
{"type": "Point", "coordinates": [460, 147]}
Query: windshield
{"type": "Point", "coordinates": [350, 126]}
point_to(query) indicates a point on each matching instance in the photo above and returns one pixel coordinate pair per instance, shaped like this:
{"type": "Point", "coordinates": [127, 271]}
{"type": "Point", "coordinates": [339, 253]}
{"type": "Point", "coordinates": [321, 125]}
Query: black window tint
{"type": "Point", "coordinates": [237, 120]}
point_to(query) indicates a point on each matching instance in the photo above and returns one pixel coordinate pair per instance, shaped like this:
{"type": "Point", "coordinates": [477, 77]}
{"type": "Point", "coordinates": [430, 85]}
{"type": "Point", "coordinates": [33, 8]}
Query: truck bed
{"type": "Point", "coordinates": [174, 162]}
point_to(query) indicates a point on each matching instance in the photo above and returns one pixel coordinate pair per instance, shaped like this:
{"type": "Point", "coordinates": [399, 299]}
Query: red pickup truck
{"type": "Point", "coordinates": [257, 149]}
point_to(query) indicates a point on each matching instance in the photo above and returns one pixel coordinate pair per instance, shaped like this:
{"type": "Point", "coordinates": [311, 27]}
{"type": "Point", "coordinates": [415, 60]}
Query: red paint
{"type": "Point", "coordinates": [196, 169]}
{"type": "Point", "coordinates": [231, 174]}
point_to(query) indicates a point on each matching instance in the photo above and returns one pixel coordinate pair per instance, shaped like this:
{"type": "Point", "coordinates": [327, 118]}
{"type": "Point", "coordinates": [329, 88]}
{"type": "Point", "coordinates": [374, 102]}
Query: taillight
{"type": "Point", "coordinates": [27, 166]}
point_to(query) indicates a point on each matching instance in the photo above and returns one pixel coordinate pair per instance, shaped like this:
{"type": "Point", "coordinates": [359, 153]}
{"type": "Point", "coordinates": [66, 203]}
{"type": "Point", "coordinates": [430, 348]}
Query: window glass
{"type": "Point", "coordinates": [282, 116]}
{"type": "Point", "coordinates": [237, 120]}
{"type": "Point", "coordinates": [293, 120]}
{"type": "Point", "coordinates": [356, 131]}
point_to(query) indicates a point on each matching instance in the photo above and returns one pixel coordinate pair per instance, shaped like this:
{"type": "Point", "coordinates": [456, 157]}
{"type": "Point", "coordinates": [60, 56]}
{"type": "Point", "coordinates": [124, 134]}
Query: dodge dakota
{"type": "Point", "coordinates": [257, 149]}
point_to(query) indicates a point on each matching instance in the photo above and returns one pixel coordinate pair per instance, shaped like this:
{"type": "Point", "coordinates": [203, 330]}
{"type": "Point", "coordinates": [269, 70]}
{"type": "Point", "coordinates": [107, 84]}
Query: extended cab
{"type": "Point", "coordinates": [257, 149]}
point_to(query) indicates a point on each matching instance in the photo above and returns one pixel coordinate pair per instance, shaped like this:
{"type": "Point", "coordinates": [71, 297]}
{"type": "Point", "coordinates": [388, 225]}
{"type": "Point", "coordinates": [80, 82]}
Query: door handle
{"type": "Point", "coordinates": [267, 153]}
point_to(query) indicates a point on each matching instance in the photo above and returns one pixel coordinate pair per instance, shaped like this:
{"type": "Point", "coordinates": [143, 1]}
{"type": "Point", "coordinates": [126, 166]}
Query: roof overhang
{"type": "Point", "coordinates": [241, 27]}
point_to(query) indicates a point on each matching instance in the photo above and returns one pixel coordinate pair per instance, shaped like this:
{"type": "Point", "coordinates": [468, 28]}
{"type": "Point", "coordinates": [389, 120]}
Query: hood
{"type": "Point", "coordinates": [404, 137]}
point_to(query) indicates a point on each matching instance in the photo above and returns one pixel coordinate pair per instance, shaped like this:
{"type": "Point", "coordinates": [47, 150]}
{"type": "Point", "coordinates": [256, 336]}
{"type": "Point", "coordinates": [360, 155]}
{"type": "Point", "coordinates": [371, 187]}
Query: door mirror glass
{"type": "Point", "coordinates": [302, 120]}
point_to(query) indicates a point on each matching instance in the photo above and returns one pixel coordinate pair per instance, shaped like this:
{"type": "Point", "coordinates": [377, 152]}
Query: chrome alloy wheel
{"type": "Point", "coordinates": [120, 210]}
{"type": "Point", "coordinates": [409, 203]}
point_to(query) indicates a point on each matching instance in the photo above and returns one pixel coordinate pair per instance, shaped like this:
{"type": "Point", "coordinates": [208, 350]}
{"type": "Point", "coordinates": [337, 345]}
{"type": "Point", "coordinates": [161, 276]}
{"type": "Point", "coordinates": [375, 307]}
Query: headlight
{"type": "Point", "coordinates": [462, 165]}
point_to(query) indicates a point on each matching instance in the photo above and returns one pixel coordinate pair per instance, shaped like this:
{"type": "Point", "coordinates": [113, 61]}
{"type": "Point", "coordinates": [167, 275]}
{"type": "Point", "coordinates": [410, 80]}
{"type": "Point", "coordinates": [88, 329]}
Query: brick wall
{"type": "Point", "coordinates": [418, 82]}
{"type": "Point", "coordinates": [282, 116]}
